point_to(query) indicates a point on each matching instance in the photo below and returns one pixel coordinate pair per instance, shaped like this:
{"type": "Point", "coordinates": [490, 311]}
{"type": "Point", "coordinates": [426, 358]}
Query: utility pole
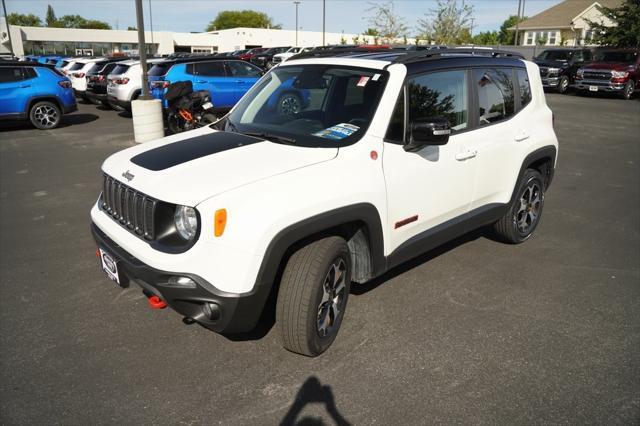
{"type": "Point", "coordinates": [323, 20]}
{"type": "Point", "coordinates": [6, 20]}
{"type": "Point", "coordinates": [151, 23]}
{"type": "Point", "coordinates": [296, 3]}
{"type": "Point", "coordinates": [142, 50]}
{"type": "Point", "coordinates": [515, 43]}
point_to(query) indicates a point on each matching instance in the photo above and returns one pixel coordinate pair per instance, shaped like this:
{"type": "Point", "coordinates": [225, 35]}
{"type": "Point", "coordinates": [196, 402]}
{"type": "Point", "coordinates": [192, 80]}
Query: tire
{"type": "Point", "coordinates": [289, 104]}
{"type": "Point", "coordinates": [524, 213]}
{"type": "Point", "coordinates": [563, 84]}
{"type": "Point", "coordinates": [45, 115]}
{"type": "Point", "coordinates": [105, 104]}
{"type": "Point", "coordinates": [307, 319]}
{"type": "Point", "coordinates": [629, 88]}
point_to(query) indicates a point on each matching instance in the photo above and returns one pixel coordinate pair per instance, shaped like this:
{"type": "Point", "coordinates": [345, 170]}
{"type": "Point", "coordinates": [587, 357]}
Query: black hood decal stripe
{"type": "Point", "coordinates": [180, 152]}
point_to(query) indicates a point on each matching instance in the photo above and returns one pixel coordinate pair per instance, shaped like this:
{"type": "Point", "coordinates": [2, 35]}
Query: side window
{"type": "Point", "coordinates": [439, 95]}
{"type": "Point", "coordinates": [29, 73]}
{"type": "Point", "coordinates": [395, 131]}
{"type": "Point", "coordinates": [240, 69]}
{"type": "Point", "coordinates": [211, 69]}
{"type": "Point", "coordinates": [496, 100]}
{"type": "Point", "coordinates": [525, 87]}
{"type": "Point", "coordinates": [10, 74]}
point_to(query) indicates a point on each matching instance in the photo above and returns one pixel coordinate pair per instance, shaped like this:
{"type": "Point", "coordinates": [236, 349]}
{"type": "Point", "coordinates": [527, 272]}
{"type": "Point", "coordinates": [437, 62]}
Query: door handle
{"type": "Point", "coordinates": [465, 155]}
{"type": "Point", "coordinates": [240, 81]}
{"type": "Point", "coordinates": [25, 85]}
{"type": "Point", "coordinates": [521, 137]}
{"type": "Point", "coordinates": [200, 81]}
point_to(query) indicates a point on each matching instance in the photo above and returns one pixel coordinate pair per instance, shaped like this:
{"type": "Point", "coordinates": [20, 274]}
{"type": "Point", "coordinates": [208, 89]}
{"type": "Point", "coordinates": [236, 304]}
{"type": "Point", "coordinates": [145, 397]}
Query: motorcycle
{"type": "Point", "coordinates": [188, 110]}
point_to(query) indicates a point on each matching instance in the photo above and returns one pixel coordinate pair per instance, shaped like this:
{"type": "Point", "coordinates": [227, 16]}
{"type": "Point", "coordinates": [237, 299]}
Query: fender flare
{"type": "Point", "coordinates": [280, 244]}
{"type": "Point", "coordinates": [548, 151]}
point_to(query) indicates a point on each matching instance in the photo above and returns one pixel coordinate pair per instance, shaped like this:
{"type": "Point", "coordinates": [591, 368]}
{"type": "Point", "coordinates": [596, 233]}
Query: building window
{"type": "Point", "coordinates": [552, 38]}
{"type": "Point", "coordinates": [588, 36]}
{"type": "Point", "coordinates": [530, 36]}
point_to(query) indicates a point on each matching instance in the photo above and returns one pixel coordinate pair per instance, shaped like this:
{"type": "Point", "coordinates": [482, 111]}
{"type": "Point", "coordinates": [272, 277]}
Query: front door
{"type": "Point", "coordinates": [211, 76]}
{"type": "Point", "coordinates": [435, 184]}
{"type": "Point", "coordinates": [12, 87]}
{"type": "Point", "coordinates": [243, 77]}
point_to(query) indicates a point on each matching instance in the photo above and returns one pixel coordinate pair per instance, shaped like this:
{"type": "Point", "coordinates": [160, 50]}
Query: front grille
{"type": "Point", "coordinates": [544, 71]}
{"type": "Point", "coordinates": [130, 208]}
{"type": "Point", "coordinates": [596, 75]}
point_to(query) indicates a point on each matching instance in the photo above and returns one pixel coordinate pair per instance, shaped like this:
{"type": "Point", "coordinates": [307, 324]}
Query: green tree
{"type": "Point", "coordinates": [371, 32]}
{"type": "Point", "coordinates": [241, 18]}
{"type": "Point", "coordinates": [94, 24]}
{"type": "Point", "coordinates": [625, 32]}
{"type": "Point", "coordinates": [448, 23]}
{"type": "Point", "coordinates": [505, 36]}
{"type": "Point", "coordinates": [77, 21]}
{"type": "Point", "coordinates": [487, 38]}
{"type": "Point", "coordinates": [132, 29]}
{"type": "Point", "coordinates": [386, 23]}
{"type": "Point", "coordinates": [24, 20]}
{"type": "Point", "coordinates": [50, 19]}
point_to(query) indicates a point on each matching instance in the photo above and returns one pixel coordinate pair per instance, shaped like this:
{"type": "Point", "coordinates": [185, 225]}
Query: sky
{"type": "Point", "coordinates": [349, 16]}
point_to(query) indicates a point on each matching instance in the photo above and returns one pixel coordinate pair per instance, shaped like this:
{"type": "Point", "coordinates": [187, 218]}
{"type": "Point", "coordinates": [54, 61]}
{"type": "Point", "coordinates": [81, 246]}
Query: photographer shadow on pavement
{"type": "Point", "coordinates": [312, 391]}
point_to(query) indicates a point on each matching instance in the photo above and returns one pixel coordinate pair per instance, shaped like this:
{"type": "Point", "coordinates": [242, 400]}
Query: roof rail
{"type": "Point", "coordinates": [463, 51]}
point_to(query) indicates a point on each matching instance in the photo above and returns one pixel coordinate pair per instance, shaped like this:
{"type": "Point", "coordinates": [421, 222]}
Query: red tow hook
{"type": "Point", "coordinates": [156, 303]}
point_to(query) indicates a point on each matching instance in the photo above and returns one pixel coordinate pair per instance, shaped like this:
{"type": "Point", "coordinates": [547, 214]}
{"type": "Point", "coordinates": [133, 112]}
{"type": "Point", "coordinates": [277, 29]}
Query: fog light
{"type": "Point", "coordinates": [181, 282]}
{"type": "Point", "coordinates": [211, 311]}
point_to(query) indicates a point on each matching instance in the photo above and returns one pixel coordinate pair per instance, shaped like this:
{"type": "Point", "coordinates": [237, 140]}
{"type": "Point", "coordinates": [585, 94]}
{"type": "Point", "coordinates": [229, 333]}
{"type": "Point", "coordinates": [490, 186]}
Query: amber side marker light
{"type": "Point", "coordinates": [220, 222]}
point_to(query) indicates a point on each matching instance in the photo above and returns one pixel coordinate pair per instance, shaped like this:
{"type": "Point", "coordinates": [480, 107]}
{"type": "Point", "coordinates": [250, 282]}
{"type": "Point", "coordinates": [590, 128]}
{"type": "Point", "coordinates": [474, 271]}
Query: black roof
{"type": "Point", "coordinates": [404, 56]}
{"type": "Point", "coordinates": [182, 60]}
{"type": "Point", "coordinates": [25, 64]}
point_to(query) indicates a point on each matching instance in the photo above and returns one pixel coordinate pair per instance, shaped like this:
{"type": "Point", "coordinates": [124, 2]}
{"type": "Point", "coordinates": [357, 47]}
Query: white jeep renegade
{"type": "Point", "coordinates": [385, 155]}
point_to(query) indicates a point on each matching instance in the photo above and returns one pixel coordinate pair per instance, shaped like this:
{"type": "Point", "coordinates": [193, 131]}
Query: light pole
{"type": "Point", "coordinates": [515, 43]}
{"type": "Point", "coordinates": [296, 3]}
{"type": "Point", "coordinates": [323, 21]}
{"type": "Point", "coordinates": [6, 20]}
{"type": "Point", "coordinates": [142, 50]}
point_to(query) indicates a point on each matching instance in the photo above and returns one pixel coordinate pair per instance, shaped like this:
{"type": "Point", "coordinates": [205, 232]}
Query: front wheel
{"type": "Point", "coordinates": [313, 296]}
{"type": "Point", "coordinates": [563, 84]}
{"type": "Point", "coordinates": [628, 90]}
{"type": "Point", "coordinates": [523, 215]}
{"type": "Point", "coordinates": [45, 115]}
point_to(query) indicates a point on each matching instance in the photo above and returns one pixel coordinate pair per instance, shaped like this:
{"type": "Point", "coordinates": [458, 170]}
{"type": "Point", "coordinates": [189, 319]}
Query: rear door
{"type": "Point", "coordinates": [212, 76]}
{"type": "Point", "coordinates": [13, 90]}
{"type": "Point", "coordinates": [244, 76]}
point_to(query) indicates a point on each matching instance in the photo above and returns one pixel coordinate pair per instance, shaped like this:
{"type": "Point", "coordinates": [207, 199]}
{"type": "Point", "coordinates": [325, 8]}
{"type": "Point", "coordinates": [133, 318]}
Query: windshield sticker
{"type": "Point", "coordinates": [376, 77]}
{"type": "Point", "coordinates": [363, 81]}
{"type": "Point", "coordinates": [337, 132]}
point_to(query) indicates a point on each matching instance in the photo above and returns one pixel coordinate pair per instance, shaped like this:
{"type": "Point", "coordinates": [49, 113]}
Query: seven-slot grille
{"type": "Point", "coordinates": [596, 75]}
{"type": "Point", "coordinates": [132, 209]}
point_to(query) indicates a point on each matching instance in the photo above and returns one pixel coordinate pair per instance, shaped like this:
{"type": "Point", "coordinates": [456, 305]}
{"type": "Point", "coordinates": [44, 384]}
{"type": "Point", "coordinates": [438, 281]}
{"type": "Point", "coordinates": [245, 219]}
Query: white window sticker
{"type": "Point", "coordinates": [337, 132]}
{"type": "Point", "coordinates": [375, 77]}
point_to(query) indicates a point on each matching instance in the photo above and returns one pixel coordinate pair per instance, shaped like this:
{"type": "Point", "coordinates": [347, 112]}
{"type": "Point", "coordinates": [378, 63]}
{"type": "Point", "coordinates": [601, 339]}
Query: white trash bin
{"type": "Point", "coordinates": [147, 120]}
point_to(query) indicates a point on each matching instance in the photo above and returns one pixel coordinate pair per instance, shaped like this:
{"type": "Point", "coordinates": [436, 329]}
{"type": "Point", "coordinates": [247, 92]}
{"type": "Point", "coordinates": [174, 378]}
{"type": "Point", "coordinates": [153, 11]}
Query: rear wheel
{"type": "Point", "coordinates": [313, 296]}
{"type": "Point", "coordinates": [289, 104]}
{"type": "Point", "coordinates": [45, 115]}
{"type": "Point", "coordinates": [523, 216]}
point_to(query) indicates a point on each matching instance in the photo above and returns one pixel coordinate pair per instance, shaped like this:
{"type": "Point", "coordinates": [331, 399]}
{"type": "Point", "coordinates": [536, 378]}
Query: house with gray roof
{"type": "Point", "coordinates": [565, 24]}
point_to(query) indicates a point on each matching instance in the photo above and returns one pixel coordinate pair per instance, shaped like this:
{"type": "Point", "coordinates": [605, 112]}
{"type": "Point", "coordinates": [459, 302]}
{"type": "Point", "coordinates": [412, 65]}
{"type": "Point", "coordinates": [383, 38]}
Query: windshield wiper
{"type": "Point", "coordinates": [271, 137]}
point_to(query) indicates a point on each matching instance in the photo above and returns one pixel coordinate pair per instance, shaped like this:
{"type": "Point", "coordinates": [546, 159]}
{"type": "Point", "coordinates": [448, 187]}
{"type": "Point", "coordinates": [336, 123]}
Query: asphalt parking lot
{"type": "Point", "coordinates": [474, 332]}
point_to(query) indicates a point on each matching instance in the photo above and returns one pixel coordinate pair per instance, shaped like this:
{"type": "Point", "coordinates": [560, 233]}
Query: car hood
{"type": "Point", "coordinates": [191, 167]}
{"type": "Point", "coordinates": [616, 66]}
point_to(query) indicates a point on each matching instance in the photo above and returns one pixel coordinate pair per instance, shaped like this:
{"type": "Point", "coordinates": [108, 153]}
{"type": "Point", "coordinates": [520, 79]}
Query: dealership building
{"type": "Point", "coordinates": [68, 41]}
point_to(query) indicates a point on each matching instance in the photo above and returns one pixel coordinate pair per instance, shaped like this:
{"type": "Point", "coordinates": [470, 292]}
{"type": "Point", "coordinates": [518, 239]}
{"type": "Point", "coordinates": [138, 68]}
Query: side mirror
{"type": "Point", "coordinates": [432, 131]}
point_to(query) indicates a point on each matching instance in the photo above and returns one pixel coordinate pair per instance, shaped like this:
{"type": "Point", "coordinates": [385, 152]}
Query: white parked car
{"type": "Point", "coordinates": [77, 73]}
{"type": "Point", "coordinates": [390, 155]}
{"type": "Point", "coordinates": [281, 57]}
{"type": "Point", "coordinates": [124, 84]}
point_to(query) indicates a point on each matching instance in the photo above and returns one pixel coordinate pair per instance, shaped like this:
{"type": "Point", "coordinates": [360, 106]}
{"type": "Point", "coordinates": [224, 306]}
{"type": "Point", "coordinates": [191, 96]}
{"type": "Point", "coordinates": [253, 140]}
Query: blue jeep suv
{"type": "Point", "coordinates": [226, 79]}
{"type": "Point", "coordinates": [34, 91]}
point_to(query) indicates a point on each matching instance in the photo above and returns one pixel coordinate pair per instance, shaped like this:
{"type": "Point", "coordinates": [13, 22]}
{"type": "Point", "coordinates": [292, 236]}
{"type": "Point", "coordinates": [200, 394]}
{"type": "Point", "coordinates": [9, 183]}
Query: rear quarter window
{"type": "Point", "coordinates": [524, 86]}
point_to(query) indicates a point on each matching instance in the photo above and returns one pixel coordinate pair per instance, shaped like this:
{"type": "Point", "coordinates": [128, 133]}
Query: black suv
{"type": "Point", "coordinates": [97, 80]}
{"type": "Point", "coordinates": [264, 59]}
{"type": "Point", "coordinates": [558, 67]}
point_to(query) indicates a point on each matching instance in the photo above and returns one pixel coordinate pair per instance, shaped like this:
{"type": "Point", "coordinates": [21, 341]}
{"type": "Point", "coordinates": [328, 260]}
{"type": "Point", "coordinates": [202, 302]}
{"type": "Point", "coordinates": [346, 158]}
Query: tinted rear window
{"type": "Point", "coordinates": [76, 66]}
{"type": "Point", "coordinates": [159, 69]}
{"type": "Point", "coordinates": [121, 69]}
{"type": "Point", "coordinates": [96, 67]}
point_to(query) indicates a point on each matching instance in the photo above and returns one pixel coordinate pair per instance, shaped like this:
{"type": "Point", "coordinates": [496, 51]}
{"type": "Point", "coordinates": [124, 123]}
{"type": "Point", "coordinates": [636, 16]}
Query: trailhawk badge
{"type": "Point", "coordinates": [128, 175]}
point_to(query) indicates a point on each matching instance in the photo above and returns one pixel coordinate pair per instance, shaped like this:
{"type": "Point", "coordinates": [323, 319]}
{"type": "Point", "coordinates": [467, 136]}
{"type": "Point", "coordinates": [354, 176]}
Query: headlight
{"type": "Point", "coordinates": [186, 221]}
{"type": "Point", "coordinates": [619, 74]}
{"type": "Point", "coordinates": [580, 73]}
{"type": "Point", "coordinates": [554, 70]}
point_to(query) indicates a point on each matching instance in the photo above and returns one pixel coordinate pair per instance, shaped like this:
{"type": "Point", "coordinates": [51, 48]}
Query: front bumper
{"type": "Point", "coordinates": [550, 81]}
{"type": "Point", "coordinates": [217, 310]}
{"type": "Point", "coordinates": [602, 85]}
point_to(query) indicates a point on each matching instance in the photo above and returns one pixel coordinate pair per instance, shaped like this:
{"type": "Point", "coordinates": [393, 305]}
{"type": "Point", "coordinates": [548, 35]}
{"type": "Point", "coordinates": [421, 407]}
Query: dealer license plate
{"type": "Point", "coordinates": [593, 88]}
{"type": "Point", "coordinates": [110, 266]}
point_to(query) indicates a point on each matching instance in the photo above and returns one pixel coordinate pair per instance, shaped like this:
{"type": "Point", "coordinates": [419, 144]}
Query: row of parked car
{"type": "Point", "coordinates": [42, 89]}
{"type": "Point", "coordinates": [591, 70]}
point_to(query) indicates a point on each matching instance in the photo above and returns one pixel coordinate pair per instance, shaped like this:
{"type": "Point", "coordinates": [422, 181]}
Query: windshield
{"type": "Point", "coordinates": [322, 106]}
{"type": "Point", "coordinates": [617, 56]}
{"type": "Point", "coordinates": [555, 55]}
